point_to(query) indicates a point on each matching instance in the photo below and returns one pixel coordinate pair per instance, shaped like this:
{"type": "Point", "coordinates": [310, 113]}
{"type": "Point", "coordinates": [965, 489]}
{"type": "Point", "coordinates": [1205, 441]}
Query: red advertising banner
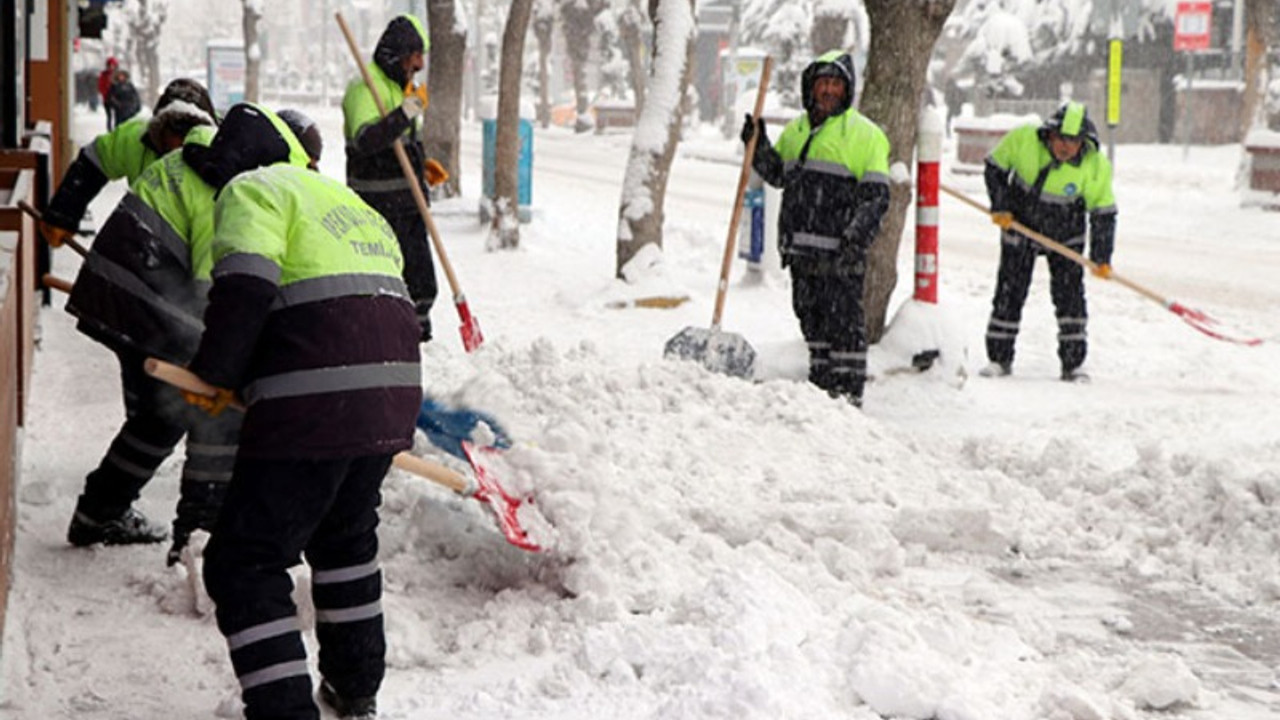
{"type": "Point", "coordinates": [1191, 26]}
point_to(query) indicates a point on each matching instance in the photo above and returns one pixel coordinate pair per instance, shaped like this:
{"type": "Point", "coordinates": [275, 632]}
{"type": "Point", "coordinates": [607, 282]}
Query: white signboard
{"type": "Point", "coordinates": [225, 62]}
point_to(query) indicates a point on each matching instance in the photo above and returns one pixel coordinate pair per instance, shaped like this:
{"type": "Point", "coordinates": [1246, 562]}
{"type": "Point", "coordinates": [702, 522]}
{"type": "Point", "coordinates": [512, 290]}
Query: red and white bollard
{"type": "Point", "coordinates": [928, 164]}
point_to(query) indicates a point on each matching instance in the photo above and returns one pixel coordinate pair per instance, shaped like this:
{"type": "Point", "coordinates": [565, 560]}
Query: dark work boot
{"type": "Point", "coordinates": [365, 708]}
{"type": "Point", "coordinates": [129, 528]}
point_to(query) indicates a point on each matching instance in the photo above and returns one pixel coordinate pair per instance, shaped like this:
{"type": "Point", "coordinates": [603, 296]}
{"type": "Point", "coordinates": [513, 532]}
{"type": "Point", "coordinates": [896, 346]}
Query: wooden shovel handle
{"type": "Point", "coordinates": [184, 379]}
{"type": "Point", "coordinates": [1059, 248]}
{"type": "Point", "coordinates": [70, 242]}
{"type": "Point", "coordinates": [743, 177]}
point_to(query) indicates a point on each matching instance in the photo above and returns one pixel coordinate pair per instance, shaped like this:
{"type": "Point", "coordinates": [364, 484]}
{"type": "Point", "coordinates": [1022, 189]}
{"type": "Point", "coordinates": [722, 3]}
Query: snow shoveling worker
{"type": "Point", "coordinates": [136, 294]}
{"type": "Point", "coordinates": [121, 153]}
{"type": "Point", "coordinates": [1052, 179]}
{"type": "Point", "coordinates": [309, 322]}
{"type": "Point", "coordinates": [832, 164]}
{"type": "Point", "coordinates": [372, 168]}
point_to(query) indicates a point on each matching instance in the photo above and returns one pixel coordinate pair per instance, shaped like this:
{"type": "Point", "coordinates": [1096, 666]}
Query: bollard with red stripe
{"type": "Point", "coordinates": [929, 157]}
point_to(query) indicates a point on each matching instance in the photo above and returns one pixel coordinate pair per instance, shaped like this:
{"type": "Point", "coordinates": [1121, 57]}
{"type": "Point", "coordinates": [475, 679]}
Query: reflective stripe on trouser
{"type": "Point", "coordinates": [150, 432]}
{"type": "Point", "coordinates": [1066, 288]}
{"type": "Point", "coordinates": [211, 455]}
{"type": "Point", "coordinates": [274, 512]}
{"type": "Point", "coordinates": [829, 308]}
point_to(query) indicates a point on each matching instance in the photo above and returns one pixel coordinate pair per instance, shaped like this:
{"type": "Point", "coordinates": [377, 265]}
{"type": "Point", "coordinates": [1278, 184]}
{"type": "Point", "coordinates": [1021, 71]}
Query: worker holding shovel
{"type": "Point", "coordinates": [1050, 178]}
{"type": "Point", "coordinates": [832, 164]}
{"type": "Point", "coordinates": [136, 295]}
{"type": "Point", "coordinates": [373, 170]}
{"type": "Point", "coordinates": [310, 323]}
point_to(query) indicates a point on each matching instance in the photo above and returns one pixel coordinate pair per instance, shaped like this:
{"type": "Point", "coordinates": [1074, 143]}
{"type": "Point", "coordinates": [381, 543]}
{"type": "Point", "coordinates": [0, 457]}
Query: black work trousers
{"type": "Point", "coordinates": [1066, 287]}
{"type": "Point", "coordinates": [152, 427]}
{"type": "Point", "coordinates": [277, 511]}
{"type": "Point", "coordinates": [829, 308]}
{"type": "Point", "coordinates": [419, 267]}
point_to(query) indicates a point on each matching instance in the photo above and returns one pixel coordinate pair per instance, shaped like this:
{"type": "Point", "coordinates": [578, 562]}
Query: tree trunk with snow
{"type": "Point", "coordinates": [1259, 20]}
{"type": "Point", "coordinates": [902, 39]}
{"type": "Point", "coordinates": [442, 123]}
{"type": "Point", "coordinates": [644, 187]}
{"type": "Point", "coordinates": [252, 50]}
{"type": "Point", "coordinates": [544, 26]}
{"type": "Point", "coordinates": [505, 230]}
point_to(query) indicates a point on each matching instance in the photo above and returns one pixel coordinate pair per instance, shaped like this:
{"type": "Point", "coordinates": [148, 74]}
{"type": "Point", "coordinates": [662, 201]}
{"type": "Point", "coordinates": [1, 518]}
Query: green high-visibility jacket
{"type": "Point", "coordinates": [1054, 198]}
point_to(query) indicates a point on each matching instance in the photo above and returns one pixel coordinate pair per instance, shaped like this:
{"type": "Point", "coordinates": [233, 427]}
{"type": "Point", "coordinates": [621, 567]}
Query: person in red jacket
{"type": "Point", "coordinates": [104, 88]}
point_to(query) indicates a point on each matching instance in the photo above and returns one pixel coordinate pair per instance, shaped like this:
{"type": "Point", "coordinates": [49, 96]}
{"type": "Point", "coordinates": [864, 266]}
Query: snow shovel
{"type": "Point", "coordinates": [718, 351]}
{"type": "Point", "coordinates": [484, 487]}
{"type": "Point", "coordinates": [470, 328]}
{"type": "Point", "coordinates": [449, 428]}
{"type": "Point", "coordinates": [1195, 318]}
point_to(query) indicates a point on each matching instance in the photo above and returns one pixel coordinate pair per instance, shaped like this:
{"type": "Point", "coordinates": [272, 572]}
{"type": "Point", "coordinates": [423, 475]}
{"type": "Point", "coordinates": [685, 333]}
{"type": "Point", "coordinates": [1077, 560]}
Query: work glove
{"type": "Point", "coordinates": [211, 404]}
{"type": "Point", "coordinates": [1102, 270]}
{"type": "Point", "coordinates": [53, 234]}
{"type": "Point", "coordinates": [1003, 219]}
{"type": "Point", "coordinates": [749, 128]}
{"type": "Point", "coordinates": [415, 101]}
{"type": "Point", "coordinates": [434, 172]}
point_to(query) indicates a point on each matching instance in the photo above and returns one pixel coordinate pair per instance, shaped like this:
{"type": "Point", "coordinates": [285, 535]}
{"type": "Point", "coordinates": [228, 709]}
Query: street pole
{"type": "Point", "coordinates": [729, 80]}
{"type": "Point", "coordinates": [1237, 36]}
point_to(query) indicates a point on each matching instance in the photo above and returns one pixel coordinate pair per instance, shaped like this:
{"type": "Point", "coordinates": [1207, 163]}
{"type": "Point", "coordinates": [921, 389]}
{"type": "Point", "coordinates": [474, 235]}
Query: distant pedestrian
{"type": "Point", "coordinates": [104, 88]}
{"type": "Point", "coordinates": [124, 96]}
{"type": "Point", "coordinates": [1052, 179]}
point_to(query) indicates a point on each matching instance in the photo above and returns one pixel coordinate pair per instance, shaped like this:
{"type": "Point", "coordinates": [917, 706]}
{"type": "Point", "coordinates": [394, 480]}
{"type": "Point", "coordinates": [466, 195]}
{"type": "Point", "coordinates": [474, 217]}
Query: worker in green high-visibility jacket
{"type": "Point", "coordinates": [1053, 179]}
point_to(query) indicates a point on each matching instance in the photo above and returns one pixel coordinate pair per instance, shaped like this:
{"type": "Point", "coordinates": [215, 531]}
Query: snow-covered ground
{"type": "Point", "coordinates": [960, 549]}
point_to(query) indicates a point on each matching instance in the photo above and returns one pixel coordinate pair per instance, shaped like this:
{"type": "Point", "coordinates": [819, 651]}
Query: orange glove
{"type": "Point", "coordinates": [434, 172]}
{"type": "Point", "coordinates": [416, 95]}
{"type": "Point", "coordinates": [1003, 219]}
{"type": "Point", "coordinates": [1102, 270]}
{"type": "Point", "coordinates": [212, 404]}
{"type": "Point", "coordinates": [53, 234]}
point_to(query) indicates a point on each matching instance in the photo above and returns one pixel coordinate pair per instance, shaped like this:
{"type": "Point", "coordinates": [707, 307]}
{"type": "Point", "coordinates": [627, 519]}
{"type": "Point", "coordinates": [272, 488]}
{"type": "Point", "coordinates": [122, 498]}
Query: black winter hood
{"type": "Point", "coordinates": [834, 62]}
{"type": "Point", "coordinates": [402, 38]}
{"type": "Point", "coordinates": [249, 137]}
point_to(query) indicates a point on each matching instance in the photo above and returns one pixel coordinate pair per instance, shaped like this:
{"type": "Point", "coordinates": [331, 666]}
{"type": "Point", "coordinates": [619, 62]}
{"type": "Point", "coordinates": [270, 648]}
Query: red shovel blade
{"type": "Point", "coordinates": [1209, 326]}
{"type": "Point", "coordinates": [504, 506]}
{"type": "Point", "coordinates": [472, 338]}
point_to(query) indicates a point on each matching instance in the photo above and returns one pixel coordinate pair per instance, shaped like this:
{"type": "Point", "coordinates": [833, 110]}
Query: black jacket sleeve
{"type": "Point", "coordinates": [767, 162]}
{"type": "Point", "coordinates": [1102, 237]}
{"type": "Point", "coordinates": [378, 136]}
{"type": "Point", "coordinates": [872, 203]}
{"type": "Point", "coordinates": [237, 312]}
{"type": "Point", "coordinates": [82, 183]}
{"type": "Point", "coordinates": [997, 179]}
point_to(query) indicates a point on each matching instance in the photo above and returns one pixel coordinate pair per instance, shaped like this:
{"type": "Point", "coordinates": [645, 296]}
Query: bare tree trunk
{"type": "Point", "coordinates": [644, 189]}
{"type": "Point", "coordinates": [442, 124]}
{"type": "Point", "coordinates": [505, 230]}
{"type": "Point", "coordinates": [902, 39]}
{"type": "Point", "coordinates": [630, 27]}
{"type": "Point", "coordinates": [1259, 19]}
{"type": "Point", "coordinates": [578, 21]}
{"type": "Point", "coordinates": [145, 23]}
{"type": "Point", "coordinates": [252, 51]}
{"type": "Point", "coordinates": [828, 31]}
{"type": "Point", "coordinates": [544, 26]}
